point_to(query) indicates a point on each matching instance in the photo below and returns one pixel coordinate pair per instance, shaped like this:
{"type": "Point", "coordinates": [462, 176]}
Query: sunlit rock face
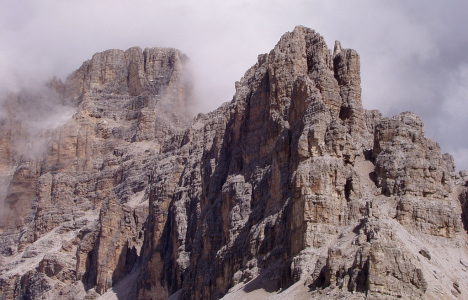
{"type": "Point", "coordinates": [292, 189]}
{"type": "Point", "coordinates": [75, 177]}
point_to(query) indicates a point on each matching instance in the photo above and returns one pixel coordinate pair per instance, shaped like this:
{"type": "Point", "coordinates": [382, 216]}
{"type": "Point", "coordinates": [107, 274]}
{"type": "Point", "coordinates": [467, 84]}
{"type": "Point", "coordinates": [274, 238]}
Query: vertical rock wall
{"type": "Point", "coordinates": [292, 189]}
{"type": "Point", "coordinates": [84, 192]}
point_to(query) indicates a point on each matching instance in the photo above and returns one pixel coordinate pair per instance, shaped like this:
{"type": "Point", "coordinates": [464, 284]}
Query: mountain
{"type": "Point", "coordinates": [290, 191]}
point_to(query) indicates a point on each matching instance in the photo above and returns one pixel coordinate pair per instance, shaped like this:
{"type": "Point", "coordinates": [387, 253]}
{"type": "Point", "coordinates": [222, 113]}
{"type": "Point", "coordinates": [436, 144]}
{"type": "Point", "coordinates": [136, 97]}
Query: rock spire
{"type": "Point", "coordinates": [292, 189]}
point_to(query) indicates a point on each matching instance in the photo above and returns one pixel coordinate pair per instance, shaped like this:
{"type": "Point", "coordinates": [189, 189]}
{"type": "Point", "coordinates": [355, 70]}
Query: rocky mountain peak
{"type": "Point", "coordinates": [291, 190]}
{"type": "Point", "coordinates": [337, 47]}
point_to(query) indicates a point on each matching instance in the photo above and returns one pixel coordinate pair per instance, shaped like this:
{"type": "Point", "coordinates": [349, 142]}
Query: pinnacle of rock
{"type": "Point", "coordinates": [337, 47]}
{"type": "Point", "coordinates": [291, 190]}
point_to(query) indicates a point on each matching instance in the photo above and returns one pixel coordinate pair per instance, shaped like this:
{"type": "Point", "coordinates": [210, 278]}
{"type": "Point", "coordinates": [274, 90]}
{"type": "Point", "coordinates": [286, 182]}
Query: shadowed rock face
{"type": "Point", "coordinates": [291, 186]}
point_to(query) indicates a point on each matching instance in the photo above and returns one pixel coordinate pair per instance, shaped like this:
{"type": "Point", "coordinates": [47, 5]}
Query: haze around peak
{"type": "Point", "coordinates": [412, 53]}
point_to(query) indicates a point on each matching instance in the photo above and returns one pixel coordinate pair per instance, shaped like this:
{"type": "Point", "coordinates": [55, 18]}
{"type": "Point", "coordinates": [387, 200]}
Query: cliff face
{"type": "Point", "coordinates": [82, 197]}
{"type": "Point", "coordinates": [290, 190]}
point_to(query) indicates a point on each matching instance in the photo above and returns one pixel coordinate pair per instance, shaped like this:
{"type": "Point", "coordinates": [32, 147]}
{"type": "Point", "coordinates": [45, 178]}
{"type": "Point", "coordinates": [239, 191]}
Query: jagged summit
{"type": "Point", "coordinates": [291, 190]}
{"type": "Point", "coordinates": [337, 47]}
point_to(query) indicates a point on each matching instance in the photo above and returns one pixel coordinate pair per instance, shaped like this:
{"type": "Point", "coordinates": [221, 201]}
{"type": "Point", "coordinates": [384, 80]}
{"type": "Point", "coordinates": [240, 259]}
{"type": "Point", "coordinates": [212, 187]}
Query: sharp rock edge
{"type": "Point", "coordinates": [290, 191]}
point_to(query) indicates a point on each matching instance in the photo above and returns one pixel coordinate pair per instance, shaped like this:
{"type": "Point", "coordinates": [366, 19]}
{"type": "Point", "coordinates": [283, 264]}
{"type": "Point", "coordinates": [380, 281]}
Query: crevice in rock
{"type": "Point", "coordinates": [348, 189]}
{"type": "Point", "coordinates": [345, 112]}
{"type": "Point", "coordinates": [368, 155]}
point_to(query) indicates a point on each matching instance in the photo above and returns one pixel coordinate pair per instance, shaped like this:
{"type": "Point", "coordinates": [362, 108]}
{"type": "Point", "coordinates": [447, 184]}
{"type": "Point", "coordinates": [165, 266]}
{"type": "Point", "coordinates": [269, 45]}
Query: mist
{"type": "Point", "coordinates": [36, 112]}
{"type": "Point", "coordinates": [412, 53]}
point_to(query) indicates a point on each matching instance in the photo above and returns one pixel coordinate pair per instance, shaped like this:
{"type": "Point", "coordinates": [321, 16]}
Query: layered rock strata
{"type": "Point", "coordinates": [291, 190]}
{"type": "Point", "coordinates": [83, 192]}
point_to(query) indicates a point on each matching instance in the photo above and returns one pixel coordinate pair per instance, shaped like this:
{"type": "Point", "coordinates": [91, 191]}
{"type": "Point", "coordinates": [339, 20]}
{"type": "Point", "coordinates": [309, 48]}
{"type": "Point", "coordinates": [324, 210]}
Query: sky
{"type": "Point", "coordinates": [413, 53]}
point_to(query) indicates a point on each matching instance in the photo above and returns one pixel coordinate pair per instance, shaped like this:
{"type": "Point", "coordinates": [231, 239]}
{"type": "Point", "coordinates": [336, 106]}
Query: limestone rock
{"type": "Point", "coordinates": [292, 189]}
{"type": "Point", "coordinates": [407, 163]}
{"type": "Point", "coordinates": [92, 170]}
{"type": "Point", "coordinates": [424, 252]}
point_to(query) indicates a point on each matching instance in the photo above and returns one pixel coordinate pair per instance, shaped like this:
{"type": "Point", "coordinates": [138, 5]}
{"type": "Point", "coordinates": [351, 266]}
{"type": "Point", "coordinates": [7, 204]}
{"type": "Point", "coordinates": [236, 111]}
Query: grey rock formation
{"type": "Point", "coordinates": [84, 192]}
{"type": "Point", "coordinates": [290, 191]}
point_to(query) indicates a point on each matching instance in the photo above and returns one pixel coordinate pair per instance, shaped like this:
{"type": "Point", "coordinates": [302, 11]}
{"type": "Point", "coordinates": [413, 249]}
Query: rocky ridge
{"type": "Point", "coordinates": [291, 190]}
